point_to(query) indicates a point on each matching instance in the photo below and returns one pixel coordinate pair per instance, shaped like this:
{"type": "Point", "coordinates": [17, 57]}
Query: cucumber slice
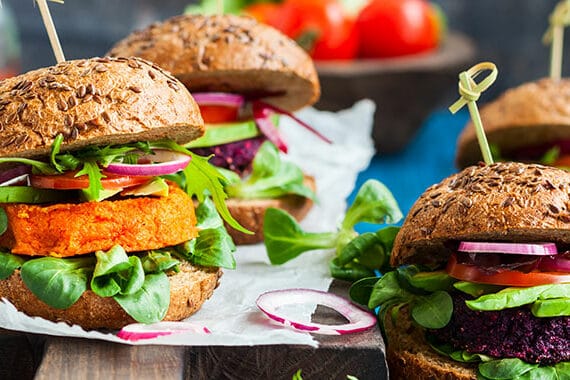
{"type": "Point", "coordinates": [224, 133]}
{"type": "Point", "coordinates": [27, 194]}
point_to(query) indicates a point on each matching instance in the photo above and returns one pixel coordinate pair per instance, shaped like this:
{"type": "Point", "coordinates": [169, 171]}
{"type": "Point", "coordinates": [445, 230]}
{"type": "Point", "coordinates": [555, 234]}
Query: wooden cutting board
{"type": "Point", "coordinates": [29, 356]}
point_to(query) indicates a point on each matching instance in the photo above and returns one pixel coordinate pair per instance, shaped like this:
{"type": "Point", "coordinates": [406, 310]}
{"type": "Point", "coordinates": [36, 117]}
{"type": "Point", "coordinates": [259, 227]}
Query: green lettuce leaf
{"type": "Point", "coordinates": [9, 263]}
{"type": "Point", "coordinates": [57, 282]}
{"type": "Point", "coordinates": [271, 177]}
{"type": "Point", "coordinates": [150, 303]}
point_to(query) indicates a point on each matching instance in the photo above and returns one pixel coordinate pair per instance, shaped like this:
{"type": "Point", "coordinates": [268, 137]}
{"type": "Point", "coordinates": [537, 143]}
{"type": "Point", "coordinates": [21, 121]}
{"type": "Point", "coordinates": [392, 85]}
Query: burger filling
{"type": "Point", "coordinates": [112, 220]}
{"type": "Point", "coordinates": [505, 306]}
{"type": "Point", "coordinates": [244, 138]}
{"type": "Point", "coordinates": [555, 153]}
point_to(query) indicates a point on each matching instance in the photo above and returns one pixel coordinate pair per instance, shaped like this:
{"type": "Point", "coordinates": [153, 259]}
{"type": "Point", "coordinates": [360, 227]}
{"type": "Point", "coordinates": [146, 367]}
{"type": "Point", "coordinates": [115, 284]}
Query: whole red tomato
{"type": "Point", "coordinates": [389, 28]}
{"type": "Point", "coordinates": [322, 27]}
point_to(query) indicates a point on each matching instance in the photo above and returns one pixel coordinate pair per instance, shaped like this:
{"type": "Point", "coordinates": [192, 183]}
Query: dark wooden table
{"type": "Point", "coordinates": [30, 356]}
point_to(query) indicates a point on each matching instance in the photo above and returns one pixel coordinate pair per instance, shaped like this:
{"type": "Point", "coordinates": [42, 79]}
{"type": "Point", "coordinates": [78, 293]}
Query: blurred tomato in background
{"type": "Point", "coordinates": [347, 29]}
{"type": "Point", "coordinates": [390, 28]}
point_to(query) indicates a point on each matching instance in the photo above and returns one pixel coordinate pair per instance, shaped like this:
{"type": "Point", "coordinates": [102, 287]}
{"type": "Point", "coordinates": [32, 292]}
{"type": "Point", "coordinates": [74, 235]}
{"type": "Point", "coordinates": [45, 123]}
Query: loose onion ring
{"type": "Point", "coordinates": [139, 331]}
{"type": "Point", "coordinates": [359, 319]}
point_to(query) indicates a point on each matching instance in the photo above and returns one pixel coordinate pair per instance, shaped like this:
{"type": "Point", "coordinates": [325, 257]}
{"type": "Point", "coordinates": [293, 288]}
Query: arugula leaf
{"type": "Point", "coordinates": [150, 303]}
{"type": "Point", "coordinates": [39, 166]}
{"type": "Point", "coordinates": [57, 282]}
{"type": "Point", "coordinates": [92, 170]}
{"type": "Point", "coordinates": [271, 177]}
{"type": "Point", "coordinates": [285, 239]}
{"type": "Point", "coordinates": [201, 175]}
{"type": "Point", "coordinates": [3, 221]}
{"type": "Point", "coordinates": [207, 216]}
{"type": "Point", "coordinates": [9, 263]}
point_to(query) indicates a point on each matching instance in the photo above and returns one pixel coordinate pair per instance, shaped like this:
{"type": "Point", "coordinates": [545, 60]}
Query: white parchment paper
{"type": "Point", "coordinates": [231, 314]}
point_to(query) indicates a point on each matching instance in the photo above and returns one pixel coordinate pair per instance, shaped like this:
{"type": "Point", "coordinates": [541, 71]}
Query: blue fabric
{"type": "Point", "coordinates": [426, 160]}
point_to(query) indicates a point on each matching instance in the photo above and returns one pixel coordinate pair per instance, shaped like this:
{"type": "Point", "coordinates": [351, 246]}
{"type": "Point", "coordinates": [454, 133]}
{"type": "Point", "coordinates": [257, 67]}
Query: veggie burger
{"type": "Point", "coordinates": [95, 227]}
{"type": "Point", "coordinates": [483, 271]}
{"type": "Point", "coordinates": [529, 123]}
{"type": "Point", "coordinates": [243, 75]}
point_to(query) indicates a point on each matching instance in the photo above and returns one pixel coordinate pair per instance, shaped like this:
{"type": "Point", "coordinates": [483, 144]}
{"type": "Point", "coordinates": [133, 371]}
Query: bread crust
{"type": "Point", "coordinates": [533, 113]}
{"type": "Point", "coordinates": [409, 356]}
{"type": "Point", "coordinates": [228, 53]}
{"type": "Point", "coordinates": [189, 289]}
{"type": "Point", "coordinates": [506, 201]}
{"type": "Point", "coordinates": [251, 212]}
{"type": "Point", "coordinates": [94, 101]}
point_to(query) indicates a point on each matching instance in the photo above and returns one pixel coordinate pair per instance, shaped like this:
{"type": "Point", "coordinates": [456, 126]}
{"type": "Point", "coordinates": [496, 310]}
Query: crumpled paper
{"type": "Point", "coordinates": [231, 314]}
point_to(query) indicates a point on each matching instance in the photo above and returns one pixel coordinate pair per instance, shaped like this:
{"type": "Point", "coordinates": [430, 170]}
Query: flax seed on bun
{"type": "Point", "coordinates": [227, 53]}
{"type": "Point", "coordinates": [94, 101]}
{"type": "Point", "coordinates": [506, 201]}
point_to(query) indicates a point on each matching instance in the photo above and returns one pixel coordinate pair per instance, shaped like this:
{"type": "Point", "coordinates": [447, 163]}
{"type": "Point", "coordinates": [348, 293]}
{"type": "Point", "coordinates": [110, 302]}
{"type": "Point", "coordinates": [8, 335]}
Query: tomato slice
{"type": "Point", "coordinates": [68, 181]}
{"type": "Point", "coordinates": [473, 273]}
{"type": "Point", "coordinates": [218, 114]}
{"type": "Point", "coordinates": [563, 161]}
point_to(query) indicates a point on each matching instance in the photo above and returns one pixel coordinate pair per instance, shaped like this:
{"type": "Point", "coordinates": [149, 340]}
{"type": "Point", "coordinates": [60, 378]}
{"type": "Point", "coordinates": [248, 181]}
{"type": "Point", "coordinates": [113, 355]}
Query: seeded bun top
{"type": "Point", "coordinates": [509, 201]}
{"type": "Point", "coordinates": [228, 53]}
{"type": "Point", "coordinates": [94, 101]}
{"type": "Point", "coordinates": [534, 113]}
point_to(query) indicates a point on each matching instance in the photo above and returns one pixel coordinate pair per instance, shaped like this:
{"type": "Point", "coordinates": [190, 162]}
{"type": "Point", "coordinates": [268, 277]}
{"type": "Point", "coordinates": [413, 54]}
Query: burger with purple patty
{"type": "Point", "coordinates": [243, 75]}
{"type": "Point", "coordinates": [480, 279]}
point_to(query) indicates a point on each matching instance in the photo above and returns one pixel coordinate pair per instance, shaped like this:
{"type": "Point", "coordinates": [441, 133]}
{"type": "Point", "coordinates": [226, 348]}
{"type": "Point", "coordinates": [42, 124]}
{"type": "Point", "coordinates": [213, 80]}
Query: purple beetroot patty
{"type": "Point", "coordinates": [507, 333]}
{"type": "Point", "coordinates": [236, 156]}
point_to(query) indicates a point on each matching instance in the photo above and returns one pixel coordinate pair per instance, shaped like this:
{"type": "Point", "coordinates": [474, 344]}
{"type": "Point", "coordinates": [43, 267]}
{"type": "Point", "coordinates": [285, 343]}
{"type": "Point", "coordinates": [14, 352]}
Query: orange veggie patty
{"type": "Point", "coordinates": [68, 229]}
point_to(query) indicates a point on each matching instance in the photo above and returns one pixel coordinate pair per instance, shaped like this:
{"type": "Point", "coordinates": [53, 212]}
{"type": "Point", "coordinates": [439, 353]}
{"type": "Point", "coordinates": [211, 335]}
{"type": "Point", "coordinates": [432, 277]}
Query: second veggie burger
{"type": "Point", "coordinates": [242, 75]}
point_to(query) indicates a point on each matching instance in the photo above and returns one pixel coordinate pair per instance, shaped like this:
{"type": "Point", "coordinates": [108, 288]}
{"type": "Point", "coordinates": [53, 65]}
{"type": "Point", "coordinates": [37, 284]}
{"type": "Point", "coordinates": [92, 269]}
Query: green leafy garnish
{"type": "Point", "coordinates": [116, 273]}
{"type": "Point", "coordinates": [557, 294]}
{"type": "Point", "coordinates": [57, 282]}
{"type": "Point", "coordinates": [150, 303]}
{"type": "Point", "coordinates": [9, 263]}
{"type": "Point", "coordinates": [491, 368]}
{"type": "Point", "coordinates": [214, 246]}
{"type": "Point", "coordinates": [91, 169]}
{"type": "Point", "coordinates": [271, 177]}
{"type": "Point", "coordinates": [356, 256]}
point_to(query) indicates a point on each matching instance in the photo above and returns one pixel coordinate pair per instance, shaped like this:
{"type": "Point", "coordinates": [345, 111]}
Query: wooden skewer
{"type": "Point", "coordinates": [50, 28]}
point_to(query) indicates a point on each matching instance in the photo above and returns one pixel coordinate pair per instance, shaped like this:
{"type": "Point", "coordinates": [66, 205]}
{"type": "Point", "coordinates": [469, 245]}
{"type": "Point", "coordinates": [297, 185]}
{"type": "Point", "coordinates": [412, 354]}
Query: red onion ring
{"type": "Point", "coordinates": [168, 162]}
{"type": "Point", "coordinates": [539, 249]}
{"type": "Point", "coordinates": [15, 175]}
{"type": "Point", "coordinates": [262, 118]}
{"type": "Point", "coordinates": [359, 319]}
{"type": "Point", "coordinates": [139, 331]}
{"type": "Point", "coordinates": [555, 263]}
{"type": "Point", "coordinates": [273, 108]}
{"type": "Point", "coordinates": [218, 98]}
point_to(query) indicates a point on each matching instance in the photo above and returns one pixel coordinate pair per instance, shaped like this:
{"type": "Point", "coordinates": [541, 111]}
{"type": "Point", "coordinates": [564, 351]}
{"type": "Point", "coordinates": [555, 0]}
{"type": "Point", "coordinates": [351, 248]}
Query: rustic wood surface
{"type": "Point", "coordinates": [28, 356]}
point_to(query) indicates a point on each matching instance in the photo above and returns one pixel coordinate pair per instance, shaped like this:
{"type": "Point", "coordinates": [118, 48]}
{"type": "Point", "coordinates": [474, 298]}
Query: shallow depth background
{"type": "Point", "coordinates": [507, 32]}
